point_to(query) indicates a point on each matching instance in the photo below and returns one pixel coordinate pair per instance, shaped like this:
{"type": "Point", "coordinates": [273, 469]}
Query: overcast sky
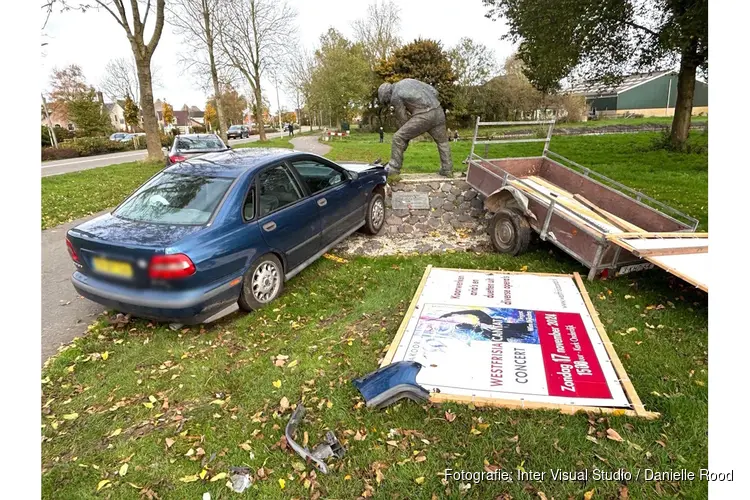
{"type": "Point", "coordinates": [91, 39]}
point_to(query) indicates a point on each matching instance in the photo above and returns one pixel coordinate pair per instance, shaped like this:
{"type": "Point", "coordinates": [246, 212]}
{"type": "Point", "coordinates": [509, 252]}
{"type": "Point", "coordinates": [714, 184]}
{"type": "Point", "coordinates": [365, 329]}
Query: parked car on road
{"type": "Point", "coordinates": [190, 145]}
{"type": "Point", "coordinates": [238, 132]}
{"type": "Point", "coordinates": [119, 136]}
{"type": "Point", "coordinates": [222, 231]}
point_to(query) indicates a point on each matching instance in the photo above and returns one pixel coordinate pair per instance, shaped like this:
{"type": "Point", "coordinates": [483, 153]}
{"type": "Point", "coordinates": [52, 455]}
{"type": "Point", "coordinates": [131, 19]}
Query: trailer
{"type": "Point", "coordinates": [571, 206]}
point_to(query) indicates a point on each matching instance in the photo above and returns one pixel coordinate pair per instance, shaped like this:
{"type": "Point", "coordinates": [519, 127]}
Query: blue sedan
{"type": "Point", "coordinates": [222, 231]}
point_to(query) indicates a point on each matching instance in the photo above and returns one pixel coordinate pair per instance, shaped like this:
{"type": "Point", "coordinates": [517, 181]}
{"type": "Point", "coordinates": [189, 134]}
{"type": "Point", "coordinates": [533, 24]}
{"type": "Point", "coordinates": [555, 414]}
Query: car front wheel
{"type": "Point", "coordinates": [263, 282]}
{"type": "Point", "coordinates": [375, 214]}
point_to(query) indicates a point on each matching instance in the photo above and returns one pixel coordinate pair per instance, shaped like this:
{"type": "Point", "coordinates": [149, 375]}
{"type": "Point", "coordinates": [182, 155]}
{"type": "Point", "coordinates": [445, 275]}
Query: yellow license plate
{"type": "Point", "coordinates": [113, 267]}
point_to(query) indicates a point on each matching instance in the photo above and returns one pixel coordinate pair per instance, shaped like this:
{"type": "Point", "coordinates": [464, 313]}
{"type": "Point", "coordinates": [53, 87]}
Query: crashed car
{"type": "Point", "coordinates": [222, 231]}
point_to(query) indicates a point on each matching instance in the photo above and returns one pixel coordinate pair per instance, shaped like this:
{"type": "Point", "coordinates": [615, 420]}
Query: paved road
{"type": "Point", "coordinates": [75, 164]}
{"type": "Point", "coordinates": [65, 314]}
{"type": "Point", "coordinates": [310, 144]}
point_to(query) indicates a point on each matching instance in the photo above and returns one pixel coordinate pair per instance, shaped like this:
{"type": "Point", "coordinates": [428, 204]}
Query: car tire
{"type": "Point", "coordinates": [375, 217]}
{"type": "Point", "coordinates": [510, 232]}
{"type": "Point", "coordinates": [262, 283]}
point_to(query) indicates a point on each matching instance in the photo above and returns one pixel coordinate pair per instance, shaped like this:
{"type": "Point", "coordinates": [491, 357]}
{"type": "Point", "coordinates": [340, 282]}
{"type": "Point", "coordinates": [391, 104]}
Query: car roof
{"type": "Point", "coordinates": [231, 163]}
{"type": "Point", "coordinates": [195, 135]}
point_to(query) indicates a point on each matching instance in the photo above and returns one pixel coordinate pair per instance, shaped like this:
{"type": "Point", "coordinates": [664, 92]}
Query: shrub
{"type": "Point", "coordinates": [87, 146]}
{"type": "Point", "coordinates": [58, 153]}
{"type": "Point", "coordinates": [199, 130]}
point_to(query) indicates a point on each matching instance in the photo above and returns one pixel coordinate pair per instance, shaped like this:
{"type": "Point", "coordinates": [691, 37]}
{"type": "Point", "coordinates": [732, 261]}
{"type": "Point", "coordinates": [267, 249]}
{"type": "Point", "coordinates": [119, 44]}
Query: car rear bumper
{"type": "Point", "coordinates": [179, 306]}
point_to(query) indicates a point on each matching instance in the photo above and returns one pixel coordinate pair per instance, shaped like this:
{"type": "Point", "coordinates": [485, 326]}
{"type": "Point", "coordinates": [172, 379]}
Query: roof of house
{"type": "Point", "coordinates": [592, 88]}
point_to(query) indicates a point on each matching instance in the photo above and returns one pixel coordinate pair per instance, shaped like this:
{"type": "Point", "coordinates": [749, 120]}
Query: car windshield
{"type": "Point", "coordinates": [199, 143]}
{"type": "Point", "coordinates": [235, 127]}
{"type": "Point", "coordinates": [171, 198]}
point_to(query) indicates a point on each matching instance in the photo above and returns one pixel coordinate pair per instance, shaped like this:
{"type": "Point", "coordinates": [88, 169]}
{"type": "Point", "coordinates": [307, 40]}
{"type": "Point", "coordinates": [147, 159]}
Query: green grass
{"type": "Point", "coordinates": [334, 321]}
{"type": "Point", "coordinates": [677, 179]}
{"type": "Point", "coordinates": [67, 197]}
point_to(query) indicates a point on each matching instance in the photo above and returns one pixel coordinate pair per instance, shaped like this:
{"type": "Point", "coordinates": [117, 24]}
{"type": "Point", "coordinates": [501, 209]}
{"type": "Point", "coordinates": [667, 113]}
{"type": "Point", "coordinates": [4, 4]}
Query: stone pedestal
{"type": "Point", "coordinates": [453, 207]}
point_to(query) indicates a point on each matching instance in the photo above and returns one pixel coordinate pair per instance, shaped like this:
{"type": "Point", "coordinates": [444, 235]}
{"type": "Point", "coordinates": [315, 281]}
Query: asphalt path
{"type": "Point", "coordinates": [58, 167]}
{"type": "Point", "coordinates": [65, 314]}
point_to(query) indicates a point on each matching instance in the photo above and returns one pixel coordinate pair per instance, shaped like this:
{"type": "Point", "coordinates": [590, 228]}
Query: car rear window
{"type": "Point", "coordinates": [199, 143]}
{"type": "Point", "coordinates": [172, 198]}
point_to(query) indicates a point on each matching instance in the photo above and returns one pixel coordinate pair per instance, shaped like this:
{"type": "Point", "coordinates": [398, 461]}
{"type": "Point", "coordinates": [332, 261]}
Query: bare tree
{"type": "Point", "coordinates": [196, 21]}
{"type": "Point", "coordinates": [298, 70]}
{"type": "Point", "coordinates": [254, 35]}
{"type": "Point", "coordinates": [134, 25]}
{"type": "Point", "coordinates": [120, 79]}
{"type": "Point", "coordinates": [473, 63]}
{"type": "Point", "coordinates": [378, 30]}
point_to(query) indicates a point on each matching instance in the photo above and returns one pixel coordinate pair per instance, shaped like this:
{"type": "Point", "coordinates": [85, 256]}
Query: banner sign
{"type": "Point", "coordinates": [512, 336]}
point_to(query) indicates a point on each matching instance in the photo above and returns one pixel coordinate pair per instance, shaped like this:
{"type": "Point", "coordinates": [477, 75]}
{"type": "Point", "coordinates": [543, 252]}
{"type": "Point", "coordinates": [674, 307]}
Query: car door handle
{"type": "Point", "coordinates": [322, 202]}
{"type": "Point", "coordinates": [269, 226]}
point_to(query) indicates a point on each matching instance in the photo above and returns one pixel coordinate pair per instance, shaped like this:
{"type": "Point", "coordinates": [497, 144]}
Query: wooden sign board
{"type": "Point", "coordinates": [516, 340]}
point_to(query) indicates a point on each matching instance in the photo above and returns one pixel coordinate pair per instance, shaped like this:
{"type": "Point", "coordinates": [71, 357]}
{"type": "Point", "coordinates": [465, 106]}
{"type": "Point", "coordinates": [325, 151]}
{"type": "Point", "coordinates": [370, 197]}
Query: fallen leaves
{"type": "Point", "coordinates": [123, 469]}
{"type": "Point", "coordinates": [419, 480]}
{"type": "Point", "coordinates": [190, 479]}
{"type": "Point", "coordinates": [104, 483]}
{"type": "Point", "coordinates": [276, 383]}
{"type": "Point", "coordinates": [282, 484]}
{"type": "Point", "coordinates": [284, 403]}
{"type": "Point", "coordinates": [169, 442]}
{"type": "Point", "coordinates": [449, 416]}
{"type": "Point", "coordinates": [70, 416]}
{"type": "Point", "coordinates": [613, 435]}
{"type": "Point", "coordinates": [335, 258]}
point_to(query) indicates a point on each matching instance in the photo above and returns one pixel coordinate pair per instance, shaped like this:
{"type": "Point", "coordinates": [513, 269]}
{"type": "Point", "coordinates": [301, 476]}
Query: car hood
{"type": "Point", "coordinates": [121, 232]}
{"type": "Point", "coordinates": [359, 167]}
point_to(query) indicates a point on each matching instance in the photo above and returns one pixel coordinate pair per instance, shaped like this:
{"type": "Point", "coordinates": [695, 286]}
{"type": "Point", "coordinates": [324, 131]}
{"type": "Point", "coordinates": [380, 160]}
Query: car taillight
{"type": "Point", "coordinates": [177, 158]}
{"type": "Point", "coordinates": [169, 267]}
{"type": "Point", "coordinates": [72, 251]}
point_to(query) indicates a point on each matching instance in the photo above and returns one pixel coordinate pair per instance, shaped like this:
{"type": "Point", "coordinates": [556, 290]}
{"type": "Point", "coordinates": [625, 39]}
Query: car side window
{"type": "Point", "coordinates": [277, 189]}
{"type": "Point", "coordinates": [317, 175]}
{"type": "Point", "coordinates": [248, 209]}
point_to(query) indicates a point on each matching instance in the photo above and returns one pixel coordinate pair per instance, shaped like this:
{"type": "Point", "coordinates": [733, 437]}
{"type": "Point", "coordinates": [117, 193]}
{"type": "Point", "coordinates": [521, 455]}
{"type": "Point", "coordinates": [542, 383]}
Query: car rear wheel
{"type": "Point", "coordinates": [375, 214]}
{"type": "Point", "coordinates": [263, 282]}
{"type": "Point", "coordinates": [510, 232]}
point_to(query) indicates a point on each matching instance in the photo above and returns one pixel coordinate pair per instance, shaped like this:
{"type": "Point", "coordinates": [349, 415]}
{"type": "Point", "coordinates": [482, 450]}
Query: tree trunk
{"type": "Point", "coordinates": [683, 108]}
{"type": "Point", "coordinates": [214, 75]}
{"type": "Point", "coordinates": [259, 110]}
{"type": "Point", "coordinates": [150, 124]}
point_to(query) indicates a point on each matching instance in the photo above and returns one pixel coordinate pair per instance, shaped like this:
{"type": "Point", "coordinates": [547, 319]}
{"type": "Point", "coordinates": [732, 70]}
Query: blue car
{"type": "Point", "coordinates": [222, 231]}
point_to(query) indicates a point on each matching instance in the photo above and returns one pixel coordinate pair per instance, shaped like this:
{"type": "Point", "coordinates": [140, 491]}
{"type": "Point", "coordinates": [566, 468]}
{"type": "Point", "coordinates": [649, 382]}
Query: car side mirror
{"type": "Point", "coordinates": [353, 176]}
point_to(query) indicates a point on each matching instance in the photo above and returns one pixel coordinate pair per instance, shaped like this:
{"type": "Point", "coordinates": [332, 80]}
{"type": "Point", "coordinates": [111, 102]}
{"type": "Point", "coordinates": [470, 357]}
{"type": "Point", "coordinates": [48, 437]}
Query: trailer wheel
{"type": "Point", "coordinates": [510, 232]}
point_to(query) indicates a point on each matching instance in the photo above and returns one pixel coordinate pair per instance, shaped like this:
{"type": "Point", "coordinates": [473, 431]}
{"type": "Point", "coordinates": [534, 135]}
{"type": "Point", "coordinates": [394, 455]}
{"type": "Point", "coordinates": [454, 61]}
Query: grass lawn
{"type": "Point", "coordinates": [172, 405]}
{"type": "Point", "coordinates": [180, 407]}
{"type": "Point", "coordinates": [677, 179]}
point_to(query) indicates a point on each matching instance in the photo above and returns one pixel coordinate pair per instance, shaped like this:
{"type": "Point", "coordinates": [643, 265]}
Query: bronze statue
{"type": "Point", "coordinates": [417, 111]}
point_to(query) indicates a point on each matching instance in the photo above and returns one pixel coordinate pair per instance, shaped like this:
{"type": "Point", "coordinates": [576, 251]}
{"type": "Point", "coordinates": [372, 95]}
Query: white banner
{"type": "Point", "coordinates": [509, 336]}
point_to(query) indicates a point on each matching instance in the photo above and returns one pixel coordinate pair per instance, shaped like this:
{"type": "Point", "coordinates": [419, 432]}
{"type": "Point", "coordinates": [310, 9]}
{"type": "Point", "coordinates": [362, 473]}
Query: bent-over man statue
{"type": "Point", "coordinates": [417, 111]}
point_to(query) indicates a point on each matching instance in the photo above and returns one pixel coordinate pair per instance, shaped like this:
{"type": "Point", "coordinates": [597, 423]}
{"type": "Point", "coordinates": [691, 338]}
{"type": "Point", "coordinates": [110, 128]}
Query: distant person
{"type": "Point", "coordinates": [381, 134]}
{"type": "Point", "coordinates": [291, 129]}
{"type": "Point", "coordinates": [455, 136]}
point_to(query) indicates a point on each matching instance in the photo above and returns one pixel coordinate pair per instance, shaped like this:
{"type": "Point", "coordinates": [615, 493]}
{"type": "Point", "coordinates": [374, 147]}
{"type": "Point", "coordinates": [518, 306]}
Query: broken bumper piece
{"type": "Point", "coordinates": [330, 447]}
{"type": "Point", "coordinates": [392, 383]}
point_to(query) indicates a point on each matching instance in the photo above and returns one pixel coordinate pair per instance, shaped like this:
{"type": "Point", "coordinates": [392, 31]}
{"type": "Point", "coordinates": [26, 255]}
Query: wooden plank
{"type": "Point", "coordinates": [627, 385]}
{"type": "Point", "coordinates": [402, 328]}
{"type": "Point", "coordinates": [634, 235]}
{"type": "Point", "coordinates": [514, 404]}
{"type": "Point", "coordinates": [656, 252]}
{"type": "Point", "coordinates": [615, 220]}
{"type": "Point", "coordinates": [676, 272]}
{"type": "Point", "coordinates": [579, 210]}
